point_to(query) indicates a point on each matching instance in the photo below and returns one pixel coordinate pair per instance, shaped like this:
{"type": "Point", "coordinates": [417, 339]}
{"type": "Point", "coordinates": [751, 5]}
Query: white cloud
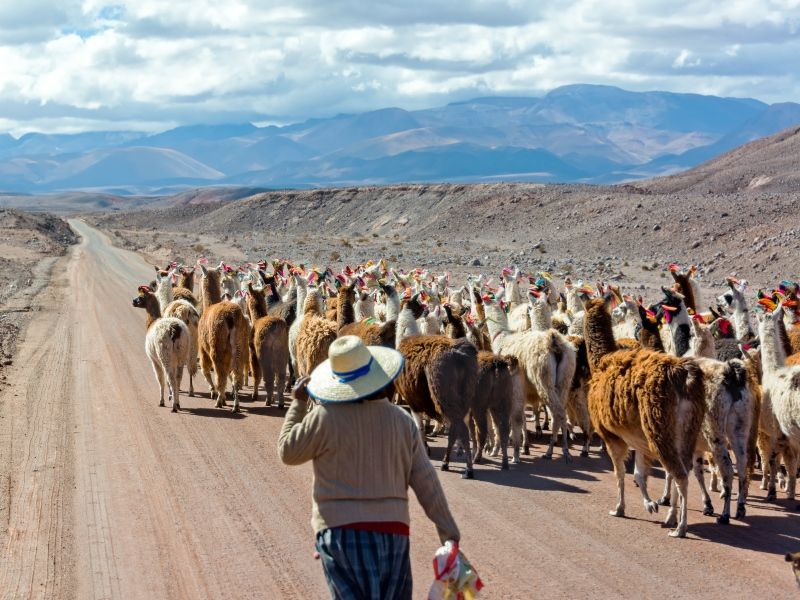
{"type": "Point", "coordinates": [150, 64]}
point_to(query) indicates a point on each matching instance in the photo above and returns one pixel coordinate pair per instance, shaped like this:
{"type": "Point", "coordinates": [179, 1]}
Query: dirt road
{"type": "Point", "coordinates": [105, 495]}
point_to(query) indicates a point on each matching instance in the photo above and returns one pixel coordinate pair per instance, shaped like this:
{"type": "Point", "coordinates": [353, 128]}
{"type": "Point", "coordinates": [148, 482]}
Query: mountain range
{"type": "Point", "coordinates": [576, 133]}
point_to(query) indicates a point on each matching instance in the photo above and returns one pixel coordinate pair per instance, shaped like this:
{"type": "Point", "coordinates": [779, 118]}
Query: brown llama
{"type": "Point", "coordinates": [315, 336]}
{"type": "Point", "coordinates": [646, 401]}
{"type": "Point", "coordinates": [495, 394]}
{"type": "Point", "coordinates": [269, 348]}
{"type": "Point", "coordinates": [380, 334]}
{"type": "Point", "coordinates": [439, 379]}
{"type": "Point", "coordinates": [223, 335]}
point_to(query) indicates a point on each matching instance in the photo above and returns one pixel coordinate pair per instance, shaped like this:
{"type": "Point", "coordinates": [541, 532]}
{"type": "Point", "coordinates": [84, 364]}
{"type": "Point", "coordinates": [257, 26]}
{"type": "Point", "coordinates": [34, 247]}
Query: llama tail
{"type": "Point", "coordinates": [735, 379]}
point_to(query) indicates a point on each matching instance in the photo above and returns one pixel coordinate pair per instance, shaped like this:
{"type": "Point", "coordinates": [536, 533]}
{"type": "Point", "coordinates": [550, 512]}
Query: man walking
{"type": "Point", "coordinates": [366, 453]}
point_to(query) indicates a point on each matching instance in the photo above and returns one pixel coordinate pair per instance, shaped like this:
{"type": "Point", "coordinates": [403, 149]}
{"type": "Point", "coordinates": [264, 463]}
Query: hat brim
{"type": "Point", "coordinates": [325, 387]}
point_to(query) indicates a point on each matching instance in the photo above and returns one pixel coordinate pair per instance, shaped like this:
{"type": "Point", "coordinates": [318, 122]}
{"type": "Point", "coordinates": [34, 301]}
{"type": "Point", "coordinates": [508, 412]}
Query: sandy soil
{"type": "Point", "coordinates": [105, 495]}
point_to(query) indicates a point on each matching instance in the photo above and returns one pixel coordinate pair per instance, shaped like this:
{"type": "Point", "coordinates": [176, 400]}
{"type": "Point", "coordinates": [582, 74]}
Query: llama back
{"type": "Point", "coordinates": [671, 421]}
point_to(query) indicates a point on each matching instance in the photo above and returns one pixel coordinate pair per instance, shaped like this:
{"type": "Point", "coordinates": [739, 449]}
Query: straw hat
{"type": "Point", "coordinates": [353, 371]}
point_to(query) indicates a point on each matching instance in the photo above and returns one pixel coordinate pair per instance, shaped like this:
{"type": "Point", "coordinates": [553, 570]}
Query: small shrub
{"type": "Point", "coordinates": [335, 256]}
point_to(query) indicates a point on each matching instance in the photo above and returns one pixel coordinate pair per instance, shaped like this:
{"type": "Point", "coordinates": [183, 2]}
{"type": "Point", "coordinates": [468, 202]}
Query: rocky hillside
{"type": "Point", "coordinates": [29, 245]}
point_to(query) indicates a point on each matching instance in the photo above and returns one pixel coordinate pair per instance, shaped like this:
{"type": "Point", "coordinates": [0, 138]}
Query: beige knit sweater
{"type": "Point", "coordinates": [365, 457]}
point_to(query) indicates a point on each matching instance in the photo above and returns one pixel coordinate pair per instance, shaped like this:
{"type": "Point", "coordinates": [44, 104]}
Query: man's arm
{"type": "Point", "coordinates": [299, 440]}
{"type": "Point", "coordinates": [429, 492]}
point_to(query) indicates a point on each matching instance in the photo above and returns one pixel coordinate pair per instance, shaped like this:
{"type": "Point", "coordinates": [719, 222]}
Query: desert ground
{"type": "Point", "coordinates": [105, 495]}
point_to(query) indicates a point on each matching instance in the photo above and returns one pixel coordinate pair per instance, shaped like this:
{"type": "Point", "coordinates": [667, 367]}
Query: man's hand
{"type": "Point", "coordinates": [300, 391]}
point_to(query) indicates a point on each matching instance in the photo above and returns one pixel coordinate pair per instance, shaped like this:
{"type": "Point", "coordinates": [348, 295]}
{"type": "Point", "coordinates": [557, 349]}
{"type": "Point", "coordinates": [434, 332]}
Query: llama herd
{"type": "Point", "coordinates": [677, 381]}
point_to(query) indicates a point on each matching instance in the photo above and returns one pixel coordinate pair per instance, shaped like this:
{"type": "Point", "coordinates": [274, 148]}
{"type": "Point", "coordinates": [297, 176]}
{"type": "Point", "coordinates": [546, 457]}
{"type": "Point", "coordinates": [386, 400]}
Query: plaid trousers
{"type": "Point", "coordinates": [365, 565]}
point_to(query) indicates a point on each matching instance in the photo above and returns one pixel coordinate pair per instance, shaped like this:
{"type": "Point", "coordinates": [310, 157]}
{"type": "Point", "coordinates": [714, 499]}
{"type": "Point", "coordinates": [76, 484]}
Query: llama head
{"type": "Point", "coordinates": [733, 300]}
{"type": "Point", "coordinates": [146, 294]}
{"type": "Point", "coordinates": [702, 341]}
{"type": "Point", "coordinates": [413, 305]}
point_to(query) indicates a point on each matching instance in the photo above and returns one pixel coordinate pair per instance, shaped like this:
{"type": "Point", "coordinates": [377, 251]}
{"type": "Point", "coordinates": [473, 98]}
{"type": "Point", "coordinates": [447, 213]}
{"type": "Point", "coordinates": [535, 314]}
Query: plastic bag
{"type": "Point", "coordinates": [453, 575]}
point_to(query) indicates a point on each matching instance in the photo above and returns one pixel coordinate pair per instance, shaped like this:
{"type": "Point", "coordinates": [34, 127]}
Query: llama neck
{"type": "Point", "coordinates": [153, 311]}
{"type": "Point", "coordinates": [406, 326]}
{"type": "Point", "coordinates": [497, 324]}
{"type": "Point", "coordinates": [573, 304]}
{"type": "Point", "coordinates": [599, 335]}
{"type": "Point", "coordinates": [345, 314]}
{"type": "Point", "coordinates": [783, 337]}
{"type": "Point", "coordinates": [741, 323]}
{"type": "Point", "coordinates": [541, 317]}
{"type": "Point", "coordinates": [165, 294]}
{"type": "Point", "coordinates": [455, 328]}
{"type": "Point", "coordinates": [311, 306]}
{"type": "Point", "coordinates": [680, 331]}
{"type": "Point", "coordinates": [513, 296]}
{"type": "Point", "coordinates": [701, 345]}
{"type": "Point", "coordinates": [392, 307]}
{"type": "Point", "coordinates": [212, 294]}
{"type": "Point", "coordinates": [302, 292]}
{"type": "Point", "coordinates": [187, 281]}
{"type": "Point", "coordinates": [257, 306]}
{"type": "Point", "coordinates": [773, 356]}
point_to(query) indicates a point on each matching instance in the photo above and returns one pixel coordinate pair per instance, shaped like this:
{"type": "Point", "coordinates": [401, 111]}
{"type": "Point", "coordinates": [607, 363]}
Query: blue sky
{"type": "Point", "coordinates": [74, 65]}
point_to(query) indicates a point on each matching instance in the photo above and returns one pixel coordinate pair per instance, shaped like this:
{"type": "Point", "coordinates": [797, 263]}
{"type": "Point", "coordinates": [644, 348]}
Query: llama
{"type": "Point", "coordinates": [686, 285]}
{"type": "Point", "coordinates": [345, 313]}
{"type": "Point", "coordinates": [650, 334]}
{"type": "Point", "coordinates": [497, 393]}
{"type": "Point", "coordinates": [269, 348]}
{"type": "Point", "coordinates": [626, 316]}
{"type": "Point", "coordinates": [315, 336]}
{"type": "Point", "coordinates": [577, 403]}
{"type": "Point", "coordinates": [647, 401]}
{"type": "Point", "coordinates": [301, 286]}
{"type": "Point", "coordinates": [547, 359]}
{"type": "Point", "coordinates": [676, 335]}
{"type": "Point", "coordinates": [164, 290]}
{"type": "Point", "coordinates": [407, 326]}
{"type": "Point", "coordinates": [735, 304]}
{"type": "Point", "coordinates": [780, 388]}
{"type": "Point", "coordinates": [166, 345]}
{"type": "Point", "coordinates": [180, 309]}
{"type": "Point", "coordinates": [382, 334]}
{"type": "Point", "coordinates": [364, 307]}
{"type": "Point", "coordinates": [223, 336]}
{"type": "Point", "coordinates": [439, 379]}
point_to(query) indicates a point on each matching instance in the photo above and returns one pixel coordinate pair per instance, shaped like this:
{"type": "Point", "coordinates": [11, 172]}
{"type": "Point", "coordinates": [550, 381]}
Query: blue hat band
{"type": "Point", "coordinates": [348, 376]}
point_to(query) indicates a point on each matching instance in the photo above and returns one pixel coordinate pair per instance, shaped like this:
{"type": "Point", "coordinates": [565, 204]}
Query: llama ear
{"type": "Point", "coordinates": [204, 269]}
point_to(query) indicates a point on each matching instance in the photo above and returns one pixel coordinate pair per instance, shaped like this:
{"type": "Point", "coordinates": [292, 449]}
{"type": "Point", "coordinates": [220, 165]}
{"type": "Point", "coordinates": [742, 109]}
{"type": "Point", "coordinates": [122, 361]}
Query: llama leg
{"type": "Point", "coordinates": [451, 438]}
{"type": "Point", "coordinates": [190, 371]}
{"type": "Point", "coordinates": [269, 383]}
{"type": "Point", "coordinates": [205, 367]}
{"type": "Point", "coordinates": [697, 468]}
{"type": "Point", "coordinates": [281, 385]}
{"type": "Point", "coordinates": [743, 473]}
{"type": "Point", "coordinates": [562, 422]}
{"type": "Point", "coordinates": [257, 370]}
{"type": "Point", "coordinates": [617, 450]}
{"type": "Point", "coordinates": [221, 387]}
{"type": "Point", "coordinates": [722, 459]}
{"type": "Point", "coordinates": [160, 377]}
{"type": "Point", "coordinates": [421, 428]}
{"type": "Point", "coordinates": [480, 426]}
{"type": "Point", "coordinates": [713, 467]}
{"type": "Point", "coordinates": [772, 495]}
{"type": "Point", "coordinates": [517, 432]}
{"type": "Point", "coordinates": [682, 487]}
{"type": "Point", "coordinates": [665, 495]}
{"type": "Point", "coordinates": [672, 513]}
{"type": "Point", "coordinates": [791, 459]}
{"type": "Point", "coordinates": [502, 432]}
{"type": "Point", "coordinates": [174, 391]}
{"type": "Point", "coordinates": [463, 430]}
{"type": "Point", "coordinates": [640, 472]}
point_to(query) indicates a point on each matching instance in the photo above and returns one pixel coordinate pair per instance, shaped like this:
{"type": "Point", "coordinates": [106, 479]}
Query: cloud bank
{"type": "Point", "coordinates": [72, 65]}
